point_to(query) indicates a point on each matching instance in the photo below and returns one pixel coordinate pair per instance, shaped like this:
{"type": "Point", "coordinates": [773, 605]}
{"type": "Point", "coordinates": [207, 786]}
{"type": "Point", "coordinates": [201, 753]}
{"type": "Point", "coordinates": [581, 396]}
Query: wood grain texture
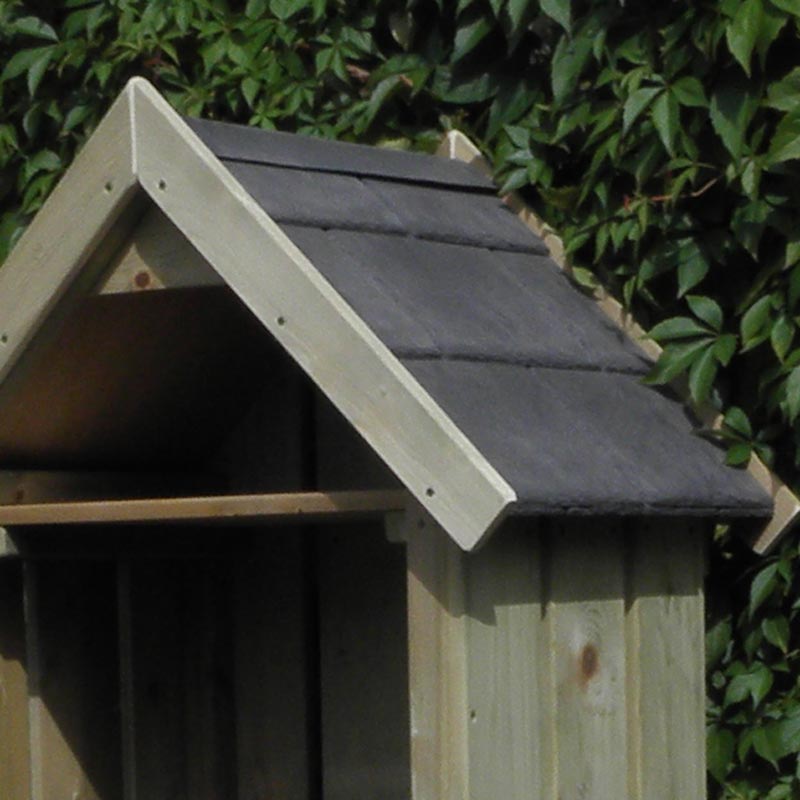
{"type": "Point", "coordinates": [329, 341]}
{"type": "Point", "coordinates": [72, 659]}
{"type": "Point", "coordinates": [222, 509]}
{"type": "Point", "coordinates": [509, 685]}
{"type": "Point", "coordinates": [437, 661]}
{"type": "Point", "coordinates": [271, 652]}
{"type": "Point", "coordinates": [586, 618]}
{"type": "Point", "coordinates": [15, 763]}
{"type": "Point", "coordinates": [51, 254]}
{"type": "Point", "coordinates": [666, 665]}
{"type": "Point", "coordinates": [363, 665]}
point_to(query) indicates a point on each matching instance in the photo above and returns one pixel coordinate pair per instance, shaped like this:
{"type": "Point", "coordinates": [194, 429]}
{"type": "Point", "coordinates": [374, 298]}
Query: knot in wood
{"type": "Point", "coordinates": [589, 663]}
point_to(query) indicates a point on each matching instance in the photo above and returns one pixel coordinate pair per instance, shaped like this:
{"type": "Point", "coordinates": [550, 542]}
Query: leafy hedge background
{"type": "Point", "coordinates": [661, 140]}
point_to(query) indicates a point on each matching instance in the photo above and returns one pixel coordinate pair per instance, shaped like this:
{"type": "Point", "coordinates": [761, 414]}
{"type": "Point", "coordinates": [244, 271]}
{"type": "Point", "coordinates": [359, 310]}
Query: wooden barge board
{"type": "Point", "coordinates": [221, 509]}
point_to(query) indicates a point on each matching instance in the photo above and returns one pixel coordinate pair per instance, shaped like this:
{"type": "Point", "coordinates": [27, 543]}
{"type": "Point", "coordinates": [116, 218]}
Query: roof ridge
{"type": "Point", "coordinates": [248, 144]}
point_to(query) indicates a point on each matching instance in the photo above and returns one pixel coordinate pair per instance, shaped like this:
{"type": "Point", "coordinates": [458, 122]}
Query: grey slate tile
{"type": "Point", "coordinates": [424, 297]}
{"type": "Point", "coordinates": [242, 143]}
{"type": "Point", "coordinates": [588, 442]}
{"type": "Point", "coordinates": [324, 200]}
{"type": "Point", "coordinates": [456, 216]}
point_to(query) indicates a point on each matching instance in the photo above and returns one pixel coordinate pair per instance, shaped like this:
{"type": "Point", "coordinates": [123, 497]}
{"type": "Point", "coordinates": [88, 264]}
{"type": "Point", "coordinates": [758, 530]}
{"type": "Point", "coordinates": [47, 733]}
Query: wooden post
{"type": "Point", "coordinates": [563, 661]}
{"type": "Point", "coordinates": [15, 767]}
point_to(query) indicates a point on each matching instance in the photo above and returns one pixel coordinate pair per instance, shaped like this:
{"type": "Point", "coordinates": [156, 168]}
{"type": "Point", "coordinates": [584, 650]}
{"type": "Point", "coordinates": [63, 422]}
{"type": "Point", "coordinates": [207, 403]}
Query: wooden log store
{"type": "Point", "coordinates": [320, 480]}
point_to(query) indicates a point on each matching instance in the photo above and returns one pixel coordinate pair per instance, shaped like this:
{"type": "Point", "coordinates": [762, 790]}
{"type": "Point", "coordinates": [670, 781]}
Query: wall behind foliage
{"type": "Point", "coordinates": [661, 140]}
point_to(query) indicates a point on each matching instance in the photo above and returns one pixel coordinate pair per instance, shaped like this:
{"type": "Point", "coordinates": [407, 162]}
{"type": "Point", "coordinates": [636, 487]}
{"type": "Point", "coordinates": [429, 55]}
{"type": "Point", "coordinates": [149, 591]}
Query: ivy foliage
{"type": "Point", "coordinates": [661, 140]}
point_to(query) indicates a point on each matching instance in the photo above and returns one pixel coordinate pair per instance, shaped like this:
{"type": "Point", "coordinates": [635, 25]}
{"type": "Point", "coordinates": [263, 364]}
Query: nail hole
{"type": "Point", "coordinates": [162, 184]}
{"type": "Point", "coordinates": [281, 320]}
{"type": "Point", "coordinates": [473, 715]}
{"type": "Point", "coordinates": [430, 492]}
{"type": "Point", "coordinates": [108, 186]}
{"type": "Point", "coordinates": [4, 338]}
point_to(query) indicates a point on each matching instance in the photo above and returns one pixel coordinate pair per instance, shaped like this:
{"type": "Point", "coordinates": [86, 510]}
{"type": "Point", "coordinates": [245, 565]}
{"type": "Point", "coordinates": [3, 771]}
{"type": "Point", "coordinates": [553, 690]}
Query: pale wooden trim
{"type": "Point", "coordinates": [786, 505]}
{"type": "Point", "coordinates": [360, 375]}
{"type": "Point", "coordinates": [437, 663]}
{"type": "Point", "coordinates": [228, 509]}
{"type": "Point", "coordinates": [52, 252]}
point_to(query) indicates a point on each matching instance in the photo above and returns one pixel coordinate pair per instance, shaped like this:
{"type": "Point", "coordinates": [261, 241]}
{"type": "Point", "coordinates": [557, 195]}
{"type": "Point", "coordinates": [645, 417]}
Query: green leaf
{"type": "Point", "coordinates": [675, 359]}
{"type": "Point", "coordinates": [518, 13]}
{"type": "Point", "coordinates": [22, 61]}
{"type": "Point", "coordinates": [763, 585]}
{"type": "Point", "coordinates": [702, 374]}
{"type": "Point", "coordinates": [37, 70]}
{"type": "Point", "coordinates": [755, 683]}
{"type": "Point", "coordinates": [569, 59]}
{"type": "Point", "coordinates": [718, 638]}
{"type": "Point", "coordinates": [737, 421]}
{"type": "Point", "coordinates": [791, 6]}
{"type": "Point", "coordinates": [738, 453]}
{"type": "Point", "coordinates": [720, 744]}
{"type": "Point", "coordinates": [782, 335]}
{"type": "Point", "coordinates": [732, 108]}
{"type": "Point", "coordinates": [559, 10]}
{"type": "Point", "coordinates": [584, 277]}
{"type": "Point", "coordinates": [35, 27]}
{"type": "Point", "coordinates": [677, 328]}
{"type": "Point", "coordinates": [691, 270]}
{"type": "Point", "coordinates": [754, 321]}
{"type": "Point", "coordinates": [785, 144]}
{"type": "Point", "coordinates": [706, 309]}
{"type": "Point", "coordinates": [776, 631]}
{"type": "Point", "coordinates": [784, 94]}
{"type": "Point", "coordinates": [793, 394]}
{"type": "Point", "coordinates": [470, 33]}
{"type": "Point", "coordinates": [743, 31]}
{"type": "Point", "coordinates": [636, 103]}
{"type": "Point", "coordinates": [666, 117]}
{"type": "Point", "coordinates": [689, 92]}
{"type": "Point", "coordinates": [76, 115]}
{"type": "Point", "coordinates": [725, 347]}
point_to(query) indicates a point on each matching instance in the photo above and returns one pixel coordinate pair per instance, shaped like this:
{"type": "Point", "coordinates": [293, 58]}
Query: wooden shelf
{"type": "Point", "coordinates": [231, 509]}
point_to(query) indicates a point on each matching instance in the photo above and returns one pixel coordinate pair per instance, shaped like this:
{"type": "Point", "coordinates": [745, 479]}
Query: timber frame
{"type": "Point", "coordinates": [143, 146]}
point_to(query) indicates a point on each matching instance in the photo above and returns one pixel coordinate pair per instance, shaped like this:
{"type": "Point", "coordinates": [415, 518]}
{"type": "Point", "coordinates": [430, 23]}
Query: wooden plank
{"type": "Point", "coordinates": [437, 664]}
{"type": "Point", "coordinates": [72, 671]}
{"type": "Point", "coordinates": [666, 667]}
{"type": "Point", "coordinates": [158, 256]}
{"type": "Point", "coordinates": [15, 764]}
{"type": "Point", "coordinates": [272, 652]}
{"type": "Point", "coordinates": [509, 683]}
{"type": "Point", "coordinates": [586, 618]}
{"type": "Point", "coordinates": [177, 679]}
{"type": "Point", "coordinates": [53, 250]}
{"type": "Point", "coordinates": [228, 509]}
{"type": "Point", "coordinates": [363, 665]}
{"type": "Point", "coordinates": [331, 343]}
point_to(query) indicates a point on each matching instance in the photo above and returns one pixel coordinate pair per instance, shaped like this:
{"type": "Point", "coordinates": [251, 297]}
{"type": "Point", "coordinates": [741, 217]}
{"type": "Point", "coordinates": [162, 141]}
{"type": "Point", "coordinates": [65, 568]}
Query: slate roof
{"type": "Point", "coordinates": [465, 295]}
